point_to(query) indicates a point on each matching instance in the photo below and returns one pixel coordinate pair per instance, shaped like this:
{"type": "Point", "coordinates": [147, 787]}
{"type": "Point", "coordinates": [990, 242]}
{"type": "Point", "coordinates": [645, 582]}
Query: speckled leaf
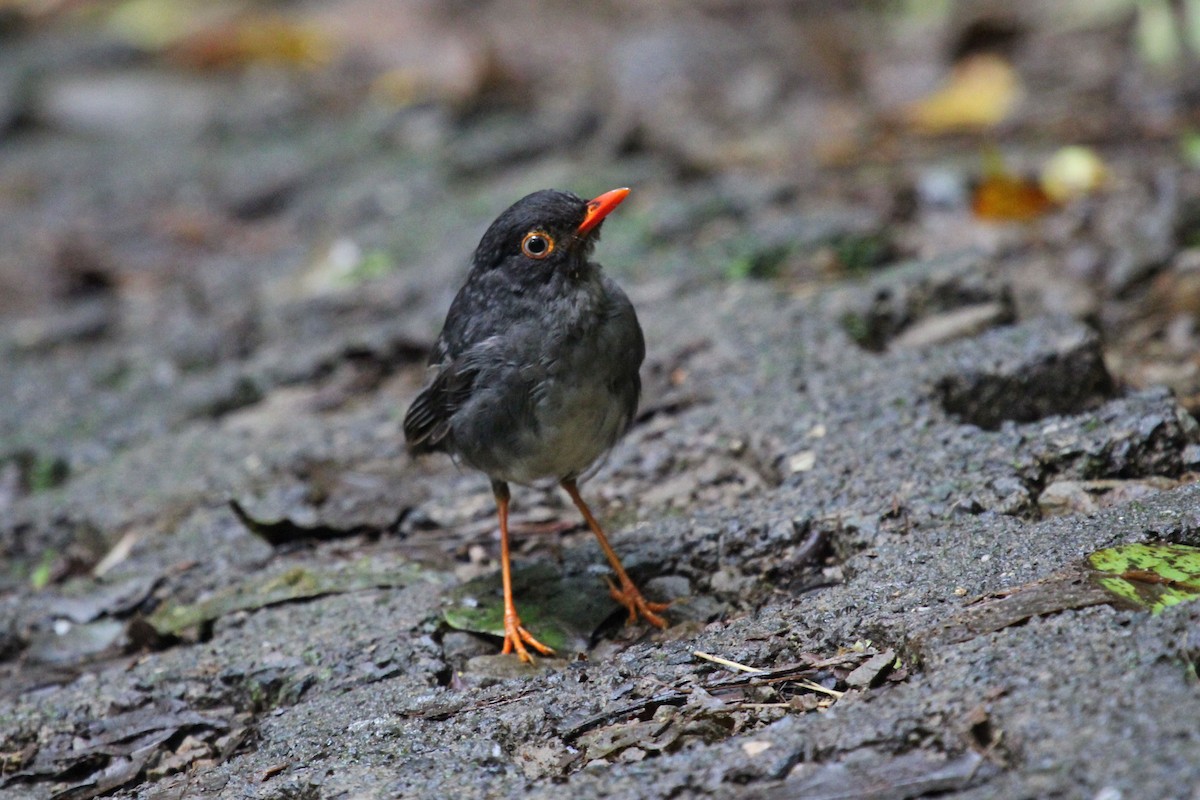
{"type": "Point", "coordinates": [562, 612]}
{"type": "Point", "coordinates": [1152, 576]}
{"type": "Point", "coordinates": [297, 583]}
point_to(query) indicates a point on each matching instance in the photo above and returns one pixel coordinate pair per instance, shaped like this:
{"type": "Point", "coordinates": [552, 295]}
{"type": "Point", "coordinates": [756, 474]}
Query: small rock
{"type": "Point", "coordinates": [1032, 371]}
{"type": "Point", "coordinates": [730, 581]}
{"type": "Point", "coordinates": [671, 587]}
{"type": "Point", "coordinates": [460, 646]}
{"type": "Point", "coordinates": [503, 667]}
{"type": "Point", "coordinates": [867, 673]}
{"type": "Point", "coordinates": [1191, 456]}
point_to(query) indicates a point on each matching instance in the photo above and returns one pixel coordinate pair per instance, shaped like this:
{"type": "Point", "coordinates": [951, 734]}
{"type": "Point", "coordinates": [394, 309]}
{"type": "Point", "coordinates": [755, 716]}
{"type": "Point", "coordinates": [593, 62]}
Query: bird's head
{"type": "Point", "coordinates": [547, 232]}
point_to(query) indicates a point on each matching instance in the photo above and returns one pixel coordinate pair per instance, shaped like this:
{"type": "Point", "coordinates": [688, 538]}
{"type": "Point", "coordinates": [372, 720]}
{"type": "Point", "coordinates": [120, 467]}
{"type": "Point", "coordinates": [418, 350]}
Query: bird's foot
{"type": "Point", "coordinates": [516, 637]}
{"type": "Point", "coordinates": [628, 595]}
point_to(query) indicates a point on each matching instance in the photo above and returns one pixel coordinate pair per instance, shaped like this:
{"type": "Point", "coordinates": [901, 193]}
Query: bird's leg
{"type": "Point", "coordinates": [515, 636]}
{"type": "Point", "coordinates": [626, 593]}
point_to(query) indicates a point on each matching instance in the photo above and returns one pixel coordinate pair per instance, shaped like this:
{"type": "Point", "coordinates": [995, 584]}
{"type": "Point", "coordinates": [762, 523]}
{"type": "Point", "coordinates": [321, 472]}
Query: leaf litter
{"type": "Point", "coordinates": [290, 585]}
{"type": "Point", "coordinates": [716, 709]}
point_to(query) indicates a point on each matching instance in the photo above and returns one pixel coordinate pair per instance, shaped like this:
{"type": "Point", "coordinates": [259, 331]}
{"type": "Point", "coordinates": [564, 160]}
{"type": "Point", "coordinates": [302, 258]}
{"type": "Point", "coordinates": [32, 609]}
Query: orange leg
{"type": "Point", "coordinates": [515, 636]}
{"type": "Point", "coordinates": [627, 593]}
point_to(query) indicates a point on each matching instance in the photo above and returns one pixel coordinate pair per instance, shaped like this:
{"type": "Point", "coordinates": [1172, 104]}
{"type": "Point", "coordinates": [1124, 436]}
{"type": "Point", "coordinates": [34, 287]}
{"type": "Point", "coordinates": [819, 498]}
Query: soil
{"type": "Point", "coordinates": [879, 437]}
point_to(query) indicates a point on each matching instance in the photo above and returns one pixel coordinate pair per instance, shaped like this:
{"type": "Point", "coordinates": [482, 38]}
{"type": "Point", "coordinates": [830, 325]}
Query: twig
{"type": "Point", "coordinates": [725, 662]}
{"type": "Point", "coordinates": [677, 697]}
{"type": "Point", "coordinates": [816, 687]}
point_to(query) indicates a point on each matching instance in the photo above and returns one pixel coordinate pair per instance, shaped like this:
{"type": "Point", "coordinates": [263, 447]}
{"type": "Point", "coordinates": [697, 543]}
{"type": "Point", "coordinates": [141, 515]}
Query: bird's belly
{"type": "Point", "coordinates": [575, 427]}
{"type": "Point", "coordinates": [571, 426]}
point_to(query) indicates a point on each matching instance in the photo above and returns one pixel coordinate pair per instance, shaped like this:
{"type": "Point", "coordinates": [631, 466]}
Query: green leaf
{"type": "Point", "coordinates": [561, 612]}
{"type": "Point", "coordinates": [1189, 147]}
{"type": "Point", "coordinates": [40, 577]}
{"type": "Point", "coordinates": [297, 583]}
{"type": "Point", "coordinates": [1151, 576]}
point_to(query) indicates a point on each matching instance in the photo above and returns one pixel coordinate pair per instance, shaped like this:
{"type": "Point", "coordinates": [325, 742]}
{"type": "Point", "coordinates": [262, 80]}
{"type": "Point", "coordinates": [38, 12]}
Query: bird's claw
{"type": "Point", "coordinates": [630, 597]}
{"type": "Point", "coordinates": [516, 637]}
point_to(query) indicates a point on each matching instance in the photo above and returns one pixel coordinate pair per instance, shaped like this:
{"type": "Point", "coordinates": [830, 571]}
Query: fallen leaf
{"type": "Point", "coordinates": [1009, 198]}
{"type": "Point", "coordinates": [1189, 148]}
{"type": "Point", "coordinates": [561, 611]}
{"type": "Point", "coordinates": [1148, 575]}
{"type": "Point", "coordinates": [256, 39]}
{"type": "Point", "coordinates": [113, 751]}
{"type": "Point", "coordinates": [296, 583]}
{"type": "Point", "coordinates": [982, 91]}
{"type": "Point", "coordinates": [653, 735]}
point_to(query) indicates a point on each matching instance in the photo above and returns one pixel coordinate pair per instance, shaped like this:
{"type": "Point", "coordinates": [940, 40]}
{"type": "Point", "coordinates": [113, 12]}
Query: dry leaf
{"type": "Point", "coordinates": [981, 93]}
{"type": "Point", "coordinates": [1009, 198]}
{"type": "Point", "coordinates": [257, 39]}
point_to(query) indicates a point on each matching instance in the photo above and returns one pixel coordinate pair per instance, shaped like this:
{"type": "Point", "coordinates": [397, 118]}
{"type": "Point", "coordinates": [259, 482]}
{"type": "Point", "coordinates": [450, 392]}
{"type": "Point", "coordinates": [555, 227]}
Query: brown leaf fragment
{"type": "Point", "coordinates": [801, 674]}
{"type": "Point", "coordinates": [652, 735]}
{"type": "Point", "coordinates": [116, 748]}
{"type": "Point", "coordinates": [273, 770]}
{"type": "Point", "coordinates": [1008, 198]}
{"type": "Point", "coordinates": [114, 775]}
{"type": "Point", "coordinates": [805, 702]}
{"type": "Point", "coordinates": [189, 751]}
{"type": "Point", "coordinates": [12, 761]}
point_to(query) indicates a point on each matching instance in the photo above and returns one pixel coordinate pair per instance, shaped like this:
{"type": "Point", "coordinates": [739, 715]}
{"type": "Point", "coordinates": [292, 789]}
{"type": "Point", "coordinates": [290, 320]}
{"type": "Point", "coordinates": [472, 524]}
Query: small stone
{"type": "Point", "coordinates": [1191, 456]}
{"type": "Point", "coordinates": [755, 746]}
{"type": "Point", "coordinates": [803, 461]}
{"type": "Point", "coordinates": [729, 581]}
{"type": "Point", "coordinates": [670, 587]}
{"type": "Point", "coordinates": [461, 646]}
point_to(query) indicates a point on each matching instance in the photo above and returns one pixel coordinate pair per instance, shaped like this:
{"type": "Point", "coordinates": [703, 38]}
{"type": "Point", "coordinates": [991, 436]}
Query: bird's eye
{"type": "Point", "coordinates": [537, 244]}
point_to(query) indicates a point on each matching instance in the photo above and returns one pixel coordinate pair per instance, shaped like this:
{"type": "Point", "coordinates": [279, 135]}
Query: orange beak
{"type": "Point", "coordinates": [599, 208]}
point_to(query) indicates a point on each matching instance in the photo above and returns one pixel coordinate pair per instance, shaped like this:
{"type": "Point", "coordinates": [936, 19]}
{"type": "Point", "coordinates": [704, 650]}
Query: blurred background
{"type": "Point", "coordinates": [230, 231]}
{"type": "Point", "coordinates": [196, 196]}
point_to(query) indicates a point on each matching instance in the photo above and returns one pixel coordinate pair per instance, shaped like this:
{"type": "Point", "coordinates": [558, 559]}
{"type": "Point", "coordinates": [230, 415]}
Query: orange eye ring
{"type": "Point", "coordinates": [537, 244]}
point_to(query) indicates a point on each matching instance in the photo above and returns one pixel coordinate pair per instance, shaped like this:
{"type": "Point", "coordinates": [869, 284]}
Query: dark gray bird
{"type": "Point", "coordinates": [535, 374]}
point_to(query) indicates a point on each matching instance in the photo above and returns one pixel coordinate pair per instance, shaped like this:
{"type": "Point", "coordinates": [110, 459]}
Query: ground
{"type": "Point", "coordinates": [884, 424]}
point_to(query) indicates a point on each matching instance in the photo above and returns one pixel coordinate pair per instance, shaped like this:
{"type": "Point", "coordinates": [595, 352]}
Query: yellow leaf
{"type": "Point", "coordinates": [257, 39]}
{"type": "Point", "coordinates": [1073, 172]}
{"type": "Point", "coordinates": [982, 91]}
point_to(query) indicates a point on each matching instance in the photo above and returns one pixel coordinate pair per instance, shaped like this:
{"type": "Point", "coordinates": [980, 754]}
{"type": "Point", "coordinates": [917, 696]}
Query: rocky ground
{"type": "Point", "coordinates": [881, 433]}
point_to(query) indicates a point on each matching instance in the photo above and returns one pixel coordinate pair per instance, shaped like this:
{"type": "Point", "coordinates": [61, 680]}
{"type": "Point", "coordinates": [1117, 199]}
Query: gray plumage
{"type": "Point", "coordinates": [535, 373]}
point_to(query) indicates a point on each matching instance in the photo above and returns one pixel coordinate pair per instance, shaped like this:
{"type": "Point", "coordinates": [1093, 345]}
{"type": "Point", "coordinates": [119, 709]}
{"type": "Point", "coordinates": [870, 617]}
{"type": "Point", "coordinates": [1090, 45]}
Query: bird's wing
{"type": "Point", "coordinates": [428, 419]}
{"type": "Point", "coordinates": [628, 344]}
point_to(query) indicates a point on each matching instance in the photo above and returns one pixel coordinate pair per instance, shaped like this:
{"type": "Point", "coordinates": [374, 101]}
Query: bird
{"type": "Point", "coordinates": [535, 374]}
